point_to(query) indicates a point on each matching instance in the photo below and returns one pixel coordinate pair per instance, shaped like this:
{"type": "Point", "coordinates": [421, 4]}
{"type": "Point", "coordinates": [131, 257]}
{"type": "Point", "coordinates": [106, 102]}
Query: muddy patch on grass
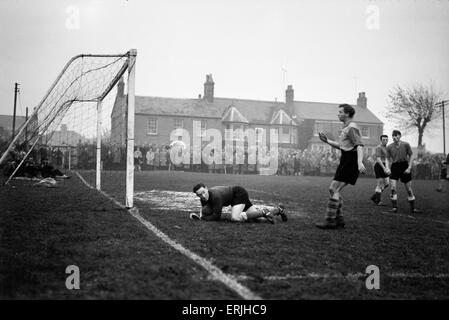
{"type": "Point", "coordinates": [180, 201]}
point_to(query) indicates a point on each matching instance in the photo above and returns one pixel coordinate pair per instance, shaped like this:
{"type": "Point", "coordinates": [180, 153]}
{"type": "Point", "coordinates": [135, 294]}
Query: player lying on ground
{"type": "Point", "coordinates": [215, 198]}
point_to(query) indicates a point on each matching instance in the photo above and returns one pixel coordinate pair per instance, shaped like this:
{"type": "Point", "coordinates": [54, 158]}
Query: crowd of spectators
{"type": "Point", "coordinates": [291, 162]}
{"type": "Point", "coordinates": [32, 166]}
{"type": "Point", "coordinates": [428, 166]}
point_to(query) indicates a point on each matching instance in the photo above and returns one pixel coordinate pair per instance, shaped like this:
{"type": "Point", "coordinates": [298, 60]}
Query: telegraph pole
{"type": "Point", "coordinates": [444, 124]}
{"type": "Point", "coordinates": [16, 91]}
{"type": "Point", "coordinates": [26, 129]}
{"type": "Point", "coordinates": [444, 128]}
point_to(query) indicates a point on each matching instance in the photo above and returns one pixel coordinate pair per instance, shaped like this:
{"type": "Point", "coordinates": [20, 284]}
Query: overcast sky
{"type": "Point", "coordinates": [328, 50]}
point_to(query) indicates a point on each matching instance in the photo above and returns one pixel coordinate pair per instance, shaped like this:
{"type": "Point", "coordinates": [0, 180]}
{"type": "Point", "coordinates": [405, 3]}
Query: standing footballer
{"type": "Point", "coordinates": [381, 170]}
{"type": "Point", "coordinates": [399, 155]}
{"type": "Point", "coordinates": [351, 163]}
{"type": "Point", "coordinates": [444, 174]}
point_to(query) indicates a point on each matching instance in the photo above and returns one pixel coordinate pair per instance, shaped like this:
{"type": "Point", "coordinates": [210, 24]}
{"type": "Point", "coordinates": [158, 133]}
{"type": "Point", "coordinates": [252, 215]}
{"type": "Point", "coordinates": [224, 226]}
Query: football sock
{"type": "Point", "coordinates": [394, 198]}
{"type": "Point", "coordinates": [412, 204]}
{"type": "Point", "coordinates": [411, 201]}
{"type": "Point", "coordinates": [332, 207]}
{"type": "Point", "coordinates": [340, 209]}
{"type": "Point", "coordinates": [379, 196]}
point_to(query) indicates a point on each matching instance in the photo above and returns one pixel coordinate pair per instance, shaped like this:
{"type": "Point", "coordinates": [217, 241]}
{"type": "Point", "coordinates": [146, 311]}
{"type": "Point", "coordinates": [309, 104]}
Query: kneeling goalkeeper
{"type": "Point", "coordinates": [215, 198]}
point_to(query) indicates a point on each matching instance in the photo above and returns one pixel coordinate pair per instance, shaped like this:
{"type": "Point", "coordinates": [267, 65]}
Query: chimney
{"type": "Point", "coordinates": [63, 127]}
{"type": "Point", "coordinates": [361, 100]}
{"type": "Point", "coordinates": [121, 88]}
{"type": "Point", "coordinates": [289, 98]}
{"type": "Point", "coordinates": [209, 88]}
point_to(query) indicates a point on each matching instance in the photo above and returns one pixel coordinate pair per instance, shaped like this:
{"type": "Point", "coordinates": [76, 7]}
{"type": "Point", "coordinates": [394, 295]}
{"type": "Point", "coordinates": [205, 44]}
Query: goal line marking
{"type": "Point", "coordinates": [216, 273]}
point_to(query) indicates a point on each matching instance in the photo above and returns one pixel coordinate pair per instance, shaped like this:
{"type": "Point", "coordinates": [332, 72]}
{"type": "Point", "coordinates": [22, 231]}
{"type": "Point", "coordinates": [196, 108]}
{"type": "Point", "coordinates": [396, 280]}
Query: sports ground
{"type": "Point", "coordinates": [157, 252]}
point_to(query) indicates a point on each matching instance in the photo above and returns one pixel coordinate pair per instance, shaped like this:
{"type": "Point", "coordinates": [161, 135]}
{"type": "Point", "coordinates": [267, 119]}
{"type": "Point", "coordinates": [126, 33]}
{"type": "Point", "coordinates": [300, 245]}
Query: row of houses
{"type": "Point", "coordinates": [6, 124]}
{"type": "Point", "coordinates": [298, 122]}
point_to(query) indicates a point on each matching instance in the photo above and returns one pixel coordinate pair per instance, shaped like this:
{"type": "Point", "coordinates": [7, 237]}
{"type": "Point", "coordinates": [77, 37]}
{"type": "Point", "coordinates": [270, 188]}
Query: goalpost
{"type": "Point", "coordinates": [76, 111]}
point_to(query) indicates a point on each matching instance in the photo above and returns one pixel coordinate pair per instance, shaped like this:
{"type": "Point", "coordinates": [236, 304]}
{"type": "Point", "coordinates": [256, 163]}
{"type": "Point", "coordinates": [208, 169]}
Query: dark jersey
{"type": "Point", "coordinates": [219, 197]}
{"type": "Point", "coordinates": [444, 168]}
{"type": "Point", "coordinates": [399, 152]}
{"type": "Point", "coordinates": [381, 152]}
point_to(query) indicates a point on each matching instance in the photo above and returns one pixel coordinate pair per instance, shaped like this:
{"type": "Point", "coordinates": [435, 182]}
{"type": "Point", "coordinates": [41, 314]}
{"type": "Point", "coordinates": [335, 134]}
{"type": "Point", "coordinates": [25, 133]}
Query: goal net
{"type": "Point", "coordinates": [85, 122]}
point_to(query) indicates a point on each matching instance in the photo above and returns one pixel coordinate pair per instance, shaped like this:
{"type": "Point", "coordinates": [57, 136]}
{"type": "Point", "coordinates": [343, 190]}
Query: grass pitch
{"type": "Point", "coordinates": [42, 231]}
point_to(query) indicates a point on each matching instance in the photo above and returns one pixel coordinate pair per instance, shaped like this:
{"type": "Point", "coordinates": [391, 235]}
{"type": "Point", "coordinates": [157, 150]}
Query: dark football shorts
{"type": "Point", "coordinates": [347, 170]}
{"type": "Point", "coordinates": [241, 197]}
{"type": "Point", "coordinates": [379, 172]}
{"type": "Point", "coordinates": [397, 172]}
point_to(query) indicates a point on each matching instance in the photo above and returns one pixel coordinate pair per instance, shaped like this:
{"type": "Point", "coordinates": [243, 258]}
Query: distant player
{"type": "Point", "coordinates": [351, 163]}
{"type": "Point", "coordinates": [381, 170]}
{"type": "Point", "coordinates": [399, 158]}
{"type": "Point", "coordinates": [138, 159]}
{"type": "Point", "coordinates": [215, 198]}
{"type": "Point", "coordinates": [444, 174]}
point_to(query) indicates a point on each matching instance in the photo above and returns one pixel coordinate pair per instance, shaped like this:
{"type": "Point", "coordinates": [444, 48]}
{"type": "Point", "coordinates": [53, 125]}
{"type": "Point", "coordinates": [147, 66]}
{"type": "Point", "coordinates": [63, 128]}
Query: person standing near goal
{"type": "Point", "coordinates": [381, 170]}
{"type": "Point", "coordinates": [399, 157]}
{"type": "Point", "coordinates": [137, 159]}
{"type": "Point", "coordinates": [351, 164]}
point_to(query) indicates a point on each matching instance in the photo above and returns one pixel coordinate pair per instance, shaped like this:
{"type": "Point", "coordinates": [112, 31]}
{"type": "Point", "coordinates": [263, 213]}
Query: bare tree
{"type": "Point", "coordinates": [414, 108]}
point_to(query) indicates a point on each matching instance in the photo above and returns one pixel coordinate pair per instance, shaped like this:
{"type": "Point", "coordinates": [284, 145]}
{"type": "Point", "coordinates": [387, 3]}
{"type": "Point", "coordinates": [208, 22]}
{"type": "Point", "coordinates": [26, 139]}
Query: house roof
{"type": "Point", "coordinates": [6, 121]}
{"type": "Point", "coordinates": [232, 114]}
{"type": "Point", "coordinates": [64, 137]}
{"type": "Point", "coordinates": [244, 110]}
{"type": "Point", "coordinates": [252, 110]}
{"type": "Point", "coordinates": [281, 117]}
{"type": "Point", "coordinates": [329, 111]}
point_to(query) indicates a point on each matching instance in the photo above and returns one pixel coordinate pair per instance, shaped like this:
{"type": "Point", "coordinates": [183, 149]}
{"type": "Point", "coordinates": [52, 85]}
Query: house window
{"type": "Point", "coordinates": [238, 133]}
{"type": "Point", "coordinates": [318, 127]}
{"type": "Point", "coordinates": [260, 134]}
{"type": "Point", "coordinates": [365, 132]}
{"type": "Point", "coordinates": [203, 127]}
{"type": "Point", "coordinates": [152, 126]}
{"type": "Point", "coordinates": [321, 148]}
{"type": "Point", "coordinates": [228, 132]}
{"type": "Point", "coordinates": [179, 123]}
{"type": "Point", "coordinates": [285, 136]}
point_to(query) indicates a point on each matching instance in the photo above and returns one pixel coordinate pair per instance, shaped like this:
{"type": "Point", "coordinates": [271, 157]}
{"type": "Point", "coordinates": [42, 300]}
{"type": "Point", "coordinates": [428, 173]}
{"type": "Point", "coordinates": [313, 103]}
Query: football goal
{"type": "Point", "coordinates": [85, 122]}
